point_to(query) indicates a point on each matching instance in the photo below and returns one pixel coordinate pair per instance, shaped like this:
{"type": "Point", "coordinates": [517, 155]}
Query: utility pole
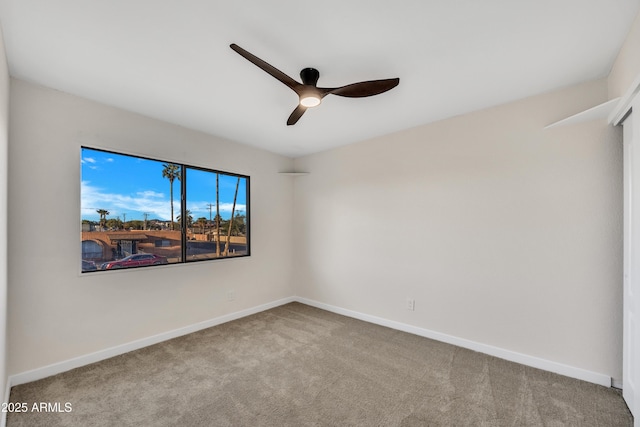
{"type": "Point", "coordinates": [146, 215]}
{"type": "Point", "coordinates": [124, 215]}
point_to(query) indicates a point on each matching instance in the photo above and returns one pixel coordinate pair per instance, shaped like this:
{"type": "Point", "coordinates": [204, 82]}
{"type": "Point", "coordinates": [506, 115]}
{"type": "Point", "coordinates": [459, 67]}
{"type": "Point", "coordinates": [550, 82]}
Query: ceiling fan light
{"type": "Point", "coordinates": [310, 101]}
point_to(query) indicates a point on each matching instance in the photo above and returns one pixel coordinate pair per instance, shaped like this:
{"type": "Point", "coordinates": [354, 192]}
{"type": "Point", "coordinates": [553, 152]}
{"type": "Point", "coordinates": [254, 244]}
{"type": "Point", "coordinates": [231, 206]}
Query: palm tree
{"type": "Point", "coordinates": [233, 209]}
{"type": "Point", "coordinates": [103, 217]}
{"type": "Point", "coordinates": [171, 172]}
{"type": "Point", "coordinates": [188, 219]}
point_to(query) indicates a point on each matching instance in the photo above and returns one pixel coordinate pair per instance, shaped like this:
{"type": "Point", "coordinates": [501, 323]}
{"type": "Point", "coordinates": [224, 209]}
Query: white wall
{"type": "Point", "coordinates": [55, 313]}
{"type": "Point", "coordinates": [504, 233]}
{"type": "Point", "coordinates": [4, 134]}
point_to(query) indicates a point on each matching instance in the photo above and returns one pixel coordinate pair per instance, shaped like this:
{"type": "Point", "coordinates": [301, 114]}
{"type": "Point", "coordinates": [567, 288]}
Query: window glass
{"type": "Point", "coordinates": [134, 213]}
{"type": "Point", "coordinates": [216, 220]}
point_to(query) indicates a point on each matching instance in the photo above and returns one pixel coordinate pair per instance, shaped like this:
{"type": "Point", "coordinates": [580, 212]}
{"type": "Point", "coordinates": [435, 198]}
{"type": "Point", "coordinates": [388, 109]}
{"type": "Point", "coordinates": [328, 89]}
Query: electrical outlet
{"type": "Point", "coordinates": [231, 295]}
{"type": "Point", "coordinates": [411, 304]}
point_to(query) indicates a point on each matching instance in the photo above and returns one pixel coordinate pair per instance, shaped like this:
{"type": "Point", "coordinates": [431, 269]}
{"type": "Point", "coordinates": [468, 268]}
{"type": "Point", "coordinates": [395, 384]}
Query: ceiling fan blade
{"type": "Point", "coordinates": [295, 115]}
{"type": "Point", "coordinates": [362, 89]}
{"type": "Point", "coordinates": [266, 67]}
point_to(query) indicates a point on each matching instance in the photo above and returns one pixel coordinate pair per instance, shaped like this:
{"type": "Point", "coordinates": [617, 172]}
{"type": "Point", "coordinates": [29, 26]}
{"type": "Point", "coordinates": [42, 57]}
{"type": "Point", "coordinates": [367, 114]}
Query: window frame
{"type": "Point", "coordinates": [183, 208]}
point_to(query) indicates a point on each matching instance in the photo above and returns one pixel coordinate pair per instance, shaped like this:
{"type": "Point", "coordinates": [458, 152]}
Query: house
{"type": "Point", "coordinates": [499, 234]}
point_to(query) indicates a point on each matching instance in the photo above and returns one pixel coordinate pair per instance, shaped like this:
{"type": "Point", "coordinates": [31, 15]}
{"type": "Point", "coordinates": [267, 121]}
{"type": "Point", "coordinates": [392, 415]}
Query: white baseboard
{"type": "Point", "coordinates": [501, 353]}
{"type": "Point", "coordinates": [76, 362]}
{"type": "Point", "coordinates": [547, 365]}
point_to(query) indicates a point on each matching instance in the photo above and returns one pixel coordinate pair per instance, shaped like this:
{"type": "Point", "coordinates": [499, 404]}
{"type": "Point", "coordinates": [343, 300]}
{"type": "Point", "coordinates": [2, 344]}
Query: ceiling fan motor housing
{"type": "Point", "coordinates": [309, 76]}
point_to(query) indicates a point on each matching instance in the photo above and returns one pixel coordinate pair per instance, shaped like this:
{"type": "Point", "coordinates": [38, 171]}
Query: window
{"type": "Point", "coordinates": [140, 212]}
{"type": "Point", "coordinates": [223, 232]}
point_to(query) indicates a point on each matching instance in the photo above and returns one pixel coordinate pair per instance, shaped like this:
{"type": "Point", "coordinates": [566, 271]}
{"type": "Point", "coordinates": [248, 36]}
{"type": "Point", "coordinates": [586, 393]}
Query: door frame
{"type": "Point", "coordinates": [624, 115]}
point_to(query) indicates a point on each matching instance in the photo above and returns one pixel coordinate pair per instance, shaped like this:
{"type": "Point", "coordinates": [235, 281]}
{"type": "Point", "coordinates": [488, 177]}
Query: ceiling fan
{"type": "Point", "coordinates": [311, 95]}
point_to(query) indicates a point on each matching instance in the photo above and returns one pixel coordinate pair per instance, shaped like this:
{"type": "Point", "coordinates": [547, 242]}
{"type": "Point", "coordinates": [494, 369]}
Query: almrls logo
{"type": "Point", "coordinates": [51, 407]}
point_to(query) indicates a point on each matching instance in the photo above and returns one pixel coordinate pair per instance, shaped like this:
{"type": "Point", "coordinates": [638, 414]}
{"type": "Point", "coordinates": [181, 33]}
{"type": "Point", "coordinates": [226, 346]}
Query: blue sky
{"type": "Point", "coordinates": [131, 186]}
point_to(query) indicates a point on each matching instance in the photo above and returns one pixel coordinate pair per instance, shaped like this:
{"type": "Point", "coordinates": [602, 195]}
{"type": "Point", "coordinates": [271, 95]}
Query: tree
{"type": "Point", "coordinates": [239, 225]}
{"type": "Point", "coordinates": [114, 223]}
{"type": "Point", "coordinates": [103, 217]}
{"type": "Point", "coordinates": [136, 224]}
{"type": "Point", "coordinates": [189, 219]}
{"type": "Point", "coordinates": [202, 221]}
{"type": "Point", "coordinates": [171, 172]}
{"type": "Point", "coordinates": [233, 209]}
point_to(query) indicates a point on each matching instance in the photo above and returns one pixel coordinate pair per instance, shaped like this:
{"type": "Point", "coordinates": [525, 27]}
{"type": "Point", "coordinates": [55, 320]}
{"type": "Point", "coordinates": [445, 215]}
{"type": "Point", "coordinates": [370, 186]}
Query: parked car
{"type": "Point", "coordinates": [136, 260]}
{"type": "Point", "coordinates": [88, 265]}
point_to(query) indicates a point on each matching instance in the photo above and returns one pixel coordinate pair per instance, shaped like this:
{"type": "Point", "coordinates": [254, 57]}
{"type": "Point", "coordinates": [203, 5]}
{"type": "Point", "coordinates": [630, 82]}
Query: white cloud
{"type": "Point", "coordinates": [153, 203]}
{"type": "Point", "coordinates": [201, 208]}
{"type": "Point", "coordinates": [149, 194]}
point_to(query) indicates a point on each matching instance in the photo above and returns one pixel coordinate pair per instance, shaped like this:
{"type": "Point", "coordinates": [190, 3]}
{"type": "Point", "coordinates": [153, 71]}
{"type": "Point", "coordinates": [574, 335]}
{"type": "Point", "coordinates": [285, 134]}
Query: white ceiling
{"type": "Point", "coordinates": [171, 59]}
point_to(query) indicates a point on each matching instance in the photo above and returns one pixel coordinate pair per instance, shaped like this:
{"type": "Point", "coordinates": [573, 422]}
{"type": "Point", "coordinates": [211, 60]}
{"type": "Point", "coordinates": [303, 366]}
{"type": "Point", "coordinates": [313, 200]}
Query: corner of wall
{"type": "Point", "coordinates": [626, 67]}
{"type": "Point", "coordinates": [4, 136]}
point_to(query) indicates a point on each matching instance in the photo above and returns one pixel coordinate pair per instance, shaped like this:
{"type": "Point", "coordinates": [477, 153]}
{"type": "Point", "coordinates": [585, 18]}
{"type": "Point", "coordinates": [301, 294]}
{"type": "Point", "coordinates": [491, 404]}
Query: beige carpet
{"type": "Point", "coordinates": [300, 366]}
